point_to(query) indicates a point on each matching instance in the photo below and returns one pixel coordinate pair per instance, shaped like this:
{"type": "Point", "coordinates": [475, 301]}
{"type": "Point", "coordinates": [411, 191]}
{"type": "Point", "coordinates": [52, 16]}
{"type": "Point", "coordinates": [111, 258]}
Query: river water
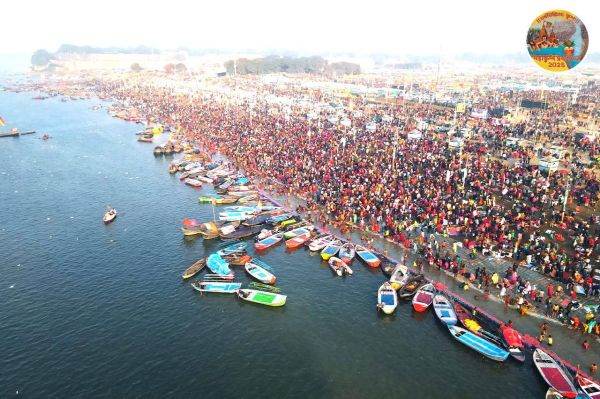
{"type": "Point", "coordinates": [101, 311]}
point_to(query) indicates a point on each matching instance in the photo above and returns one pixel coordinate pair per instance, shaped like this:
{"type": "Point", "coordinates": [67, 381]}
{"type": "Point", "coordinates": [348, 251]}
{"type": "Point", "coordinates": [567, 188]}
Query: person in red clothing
{"type": "Point", "coordinates": [585, 345]}
{"type": "Point", "coordinates": [550, 290]}
{"type": "Point", "coordinates": [573, 295]}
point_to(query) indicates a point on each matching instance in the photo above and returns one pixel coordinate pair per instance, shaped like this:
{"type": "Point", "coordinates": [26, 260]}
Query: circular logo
{"type": "Point", "coordinates": [557, 40]}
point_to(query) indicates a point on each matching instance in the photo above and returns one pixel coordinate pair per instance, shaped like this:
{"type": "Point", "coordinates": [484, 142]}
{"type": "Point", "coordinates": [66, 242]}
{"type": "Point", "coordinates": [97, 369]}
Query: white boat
{"type": "Point", "coordinates": [109, 216]}
{"type": "Point", "coordinates": [193, 182]}
{"type": "Point", "coordinates": [320, 243]}
{"type": "Point", "coordinates": [387, 298]}
{"type": "Point", "coordinates": [589, 387]}
{"type": "Point", "coordinates": [260, 273]}
{"type": "Point", "coordinates": [399, 277]}
{"type": "Point", "coordinates": [553, 374]}
{"type": "Point", "coordinates": [444, 310]}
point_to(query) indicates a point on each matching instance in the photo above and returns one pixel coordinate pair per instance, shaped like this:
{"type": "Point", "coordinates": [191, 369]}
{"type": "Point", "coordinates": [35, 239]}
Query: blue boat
{"type": "Point", "coordinates": [233, 216]}
{"type": "Point", "coordinates": [279, 218]}
{"type": "Point", "coordinates": [232, 249]}
{"type": "Point", "coordinates": [242, 180]}
{"type": "Point", "coordinates": [481, 345]}
{"type": "Point", "coordinates": [221, 287]}
{"type": "Point", "coordinates": [218, 265]}
{"type": "Point", "coordinates": [240, 208]}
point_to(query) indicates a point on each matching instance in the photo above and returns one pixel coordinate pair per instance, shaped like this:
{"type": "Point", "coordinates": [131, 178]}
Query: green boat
{"type": "Point", "coordinates": [208, 199]}
{"type": "Point", "coordinates": [262, 297]}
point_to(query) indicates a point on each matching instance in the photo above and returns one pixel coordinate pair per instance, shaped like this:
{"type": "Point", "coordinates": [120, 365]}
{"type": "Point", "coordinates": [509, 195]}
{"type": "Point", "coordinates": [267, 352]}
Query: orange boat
{"type": "Point", "coordinates": [298, 240]}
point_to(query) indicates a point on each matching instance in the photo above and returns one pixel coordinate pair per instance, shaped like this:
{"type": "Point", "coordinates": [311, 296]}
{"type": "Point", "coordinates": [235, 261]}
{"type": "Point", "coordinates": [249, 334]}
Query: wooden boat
{"type": "Point", "coordinates": [172, 169]}
{"type": "Point", "coordinates": [347, 252]}
{"type": "Point", "coordinates": [513, 341]}
{"type": "Point", "coordinates": [262, 297]}
{"type": "Point", "coordinates": [219, 287]}
{"type": "Point", "coordinates": [260, 273]}
{"type": "Point", "coordinates": [279, 218]}
{"type": "Point", "coordinates": [241, 194]}
{"type": "Point", "coordinates": [553, 374]}
{"type": "Point", "coordinates": [367, 256]}
{"type": "Point", "coordinates": [338, 266]}
{"type": "Point", "coordinates": [264, 233]}
{"type": "Point", "coordinates": [411, 286]}
{"type": "Point", "coordinates": [230, 216]}
{"type": "Point", "coordinates": [552, 393]}
{"type": "Point", "coordinates": [269, 241]}
{"type": "Point", "coordinates": [320, 242]}
{"type": "Point", "coordinates": [257, 220]}
{"type": "Point", "coordinates": [194, 268]}
{"type": "Point", "coordinates": [218, 265]}
{"type": "Point", "coordinates": [240, 208]}
{"type": "Point", "coordinates": [248, 198]}
{"type": "Point", "coordinates": [589, 387]}
{"type": "Point", "coordinates": [109, 216]}
{"type": "Point", "coordinates": [444, 310]}
{"type": "Point", "coordinates": [184, 176]}
{"type": "Point", "coordinates": [298, 241]}
{"type": "Point", "coordinates": [423, 297]}
{"type": "Point", "coordinates": [467, 319]}
{"type": "Point", "coordinates": [237, 259]}
{"type": "Point", "coordinates": [387, 267]}
{"type": "Point", "coordinates": [193, 182]}
{"type": "Point", "coordinates": [399, 276]}
{"type": "Point", "coordinates": [158, 150]}
{"type": "Point", "coordinates": [205, 179]}
{"type": "Point", "coordinates": [330, 250]}
{"type": "Point", "coordinates": [233, 249]}
{"type": "Point", "coordinates": [298, 231]}
{"type": "Point", "coordinates": [144, 139]}
{"type": "Point", "coordinates": [241, 232]}
{"type": "Point", "coordinates": [478, 343]}
{"type": "Point", "coordinates": [387, 299]}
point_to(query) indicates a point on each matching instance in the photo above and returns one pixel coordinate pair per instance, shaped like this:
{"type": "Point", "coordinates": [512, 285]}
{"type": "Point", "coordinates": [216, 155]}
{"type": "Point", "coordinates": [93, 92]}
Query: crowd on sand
{"type": "Point", "coordinates": [487, 196]}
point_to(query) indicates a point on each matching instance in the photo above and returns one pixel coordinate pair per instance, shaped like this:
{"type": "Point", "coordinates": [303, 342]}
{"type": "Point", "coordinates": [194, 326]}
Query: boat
{"type": "Point", "coordinates": [553, 373]}
{"type": "Point", "coordinates": [467, 319]}
{"type": "Point", "coordinates": [264, 233]}
{"type": "Point", "coordinates": [477, 343]}
{"type": "Point", "coordinates": [260, 273]}
{"type": "Point", "coordinates": [191, 227]}
{"type": "Point", "coordinates": [109, 216]}
{"type": "Point", "coordinates": [172, 169]}
{"type": "Point", "coordinates": [387, 299]}
{"type": "Point", "coordinates": [218, 265]}
{"type": "Point", "coordinates": [262, 297]}
{"type": "Point", "coordinates": [330, 250]}
{"type": "Point", "coordinates": [293, 233]}
{"type": "Point", "coordinates": [240, 208]}
{"type": "Point", "coordinates": [399, 276]}
{"type": "Point", "coordinates": [513, 341]}
{"type": "Point", "coordinates": [257, 220]}
{"type": "Point", "coordinates": [298, 241]}
{"type": "Point", "coordinates": [268, 242]}
{"type": "Point", "coordinates": [230, 216]}
{"type": "Point", "coordinates": [589, 387]}
{"type": "Point", "coordinates": [387, 267]}
{"type": "Point", "coordinates": [205, 179]}
{"type": "Point", "coordinates": [220, 287]}
{"type": "Point", "coordinates": [279, 218]}
{"type": "Point", "coordinates": [184, 176]}
{"type": "Point", "coordinates": [248, 198]}
{"type": "Point", "coordinates": [158, 150]}
{"type": "Point", "coordinates": [411, 286]}
{"type": "Point", "coordinates": [367, 256]}
{"type": "Point", "coordinates": [232, 249]}
{"type": "Point", "coordinates": [320, 242]}
{"type": "Point", "coordinates": [193, 182]}
{"type": "Point", "coordinates": [194, 268]}
{"type": "Point", "coordinates": [241, 232]}
{"type": "Point", "coordinates": [145, 139]}
{"type": "Point", "coordinates": [241, 194]}
{"type": "Point", "coordinates": [237, 259]}
{"type": "Point", "coordinates": [423, 297]}
{"type": "Point", "coordinates": [338, 266]}
{"type": "Point", "coordinates": [552, 393]}
{"type": "Point", "coordinates": [444, 310]}
{"type": "Point", "coordinates": [347, 252]}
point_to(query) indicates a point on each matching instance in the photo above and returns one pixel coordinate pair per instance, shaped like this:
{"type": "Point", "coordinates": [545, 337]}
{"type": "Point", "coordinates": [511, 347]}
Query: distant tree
{"type": "Point", "coordinates": [180, 68]}
{"type": "Point", "coordinates": [136, 67]}
{"type": "Point", "coordinates": [169, 69]}
{"type": "Point", "coordinates": [41, 58]}
{"type": "Point", "coordinates": [345, 68]}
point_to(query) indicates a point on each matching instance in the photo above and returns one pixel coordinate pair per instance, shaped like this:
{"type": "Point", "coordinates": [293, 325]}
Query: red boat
{"type": "Point", "coordinates": [591, 389]}
{"type": "Point", "coordinates": [514, 342]}
{"type": "Point", "coordinates": [553, 374]}
{"type": "Point", "coordinates": [423, 298]}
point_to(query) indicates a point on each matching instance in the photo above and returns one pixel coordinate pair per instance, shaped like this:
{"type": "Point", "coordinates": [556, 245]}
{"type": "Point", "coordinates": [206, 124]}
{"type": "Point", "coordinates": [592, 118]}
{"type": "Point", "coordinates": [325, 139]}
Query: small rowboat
{"type": "Point", "coordinates": [184, 176]}
{"type": "Point", "coordinates": [347, 252]}
{"type": "Point", "coordinates": [552, 393]}
{"type": "Point", "coordinates": [194, 269]}
{"type": "Point", "coordinates": [262, 297]}
{"type": "Point", "coordinates": [466, 318]}
{"type": "Point", "coordinates": [410, 288]}
{"type": "Point", "coordinates": [478, 343]}
{"type": "Point", "coordinates": [367, 256]}
{"type": "Point", "coordinates": [109, 216]}
{"type": "Point", "coordinates": [279, 218]}
{"type": "Point", "coordinates": [260, 273]}
{"type": "Point", "coordinates": [241, 194]}
{"type": "Point", "coordinates": [237, 259]}
{"type": "Point", "coordinates": [264, 233]}
{"type": "Point", "coordinates": [387, 299]}
{"type": "Point", "coordinates": [424, 297]}
{"type": "Point", "coordinates": [295, 232]}
{"type": "Point", "coordinates": [230, 216]}
{"type": "Point", "coordinates": [298, 240]}
{"type": "Point", "coordinates": [205, 179]}
{"type": "Point", "coordinates": [218, 265]}
{"type": "Point", "coordinates": [338, 266]}
{"type": "Point", "coordinates": [399, 276]}
{"type": "Point", "coordinates": [553, 374]}
{"type": "Point", "coordinates": [330, 250]}
{"type": "Point", "coordinates": [268, 242]}
{"type": "Point", "coordinates": [193, 182]}
{"type": "Point", "coordinates": [232, 249]}
{"type": "Point", "coordinates": [248, 198]}
{"type": "Point", "coordinates": [513, 340]}
{"type": "Point", "coordinates": [240, 208]}
{"type": "Point", "coordinates": [387, 267]}
{"type": "Point", "coordinates": [443, 309]}
{"type": "Point", "coordinates": [320, 242]}
{"type": "Point", "coordinates": [220, 287]}
{"type": "Point", "coordinates": [589, 387]}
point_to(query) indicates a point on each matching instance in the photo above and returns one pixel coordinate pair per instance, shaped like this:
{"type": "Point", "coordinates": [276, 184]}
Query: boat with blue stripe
{"type": "Point", "coordinates": [481, 345]}
{"type": "Point", "coordinates": [218, 265]}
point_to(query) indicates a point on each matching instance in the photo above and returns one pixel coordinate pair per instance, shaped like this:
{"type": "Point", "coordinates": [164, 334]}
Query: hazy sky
{"type": "Point", "coordinates": [395, 26]}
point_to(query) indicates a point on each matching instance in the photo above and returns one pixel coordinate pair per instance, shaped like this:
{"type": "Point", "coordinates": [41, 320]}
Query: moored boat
{"type": "Point", "coordinates": [269, 241]}
{"type": "Point", "coordinates": [513, 341]}
{"type": "Point", "coordinates": [320, 242]}
{"type": "Point", "coordinates": [218, 265]}
{"type": "Point", "coordinates": [387, 299]}
{"type": "Point", "coordinates": [477, 343]}
{"type": "Point", "coordinates": [553, 373]}
{"type": "Point", "coordinates": [233, 248]}
{"type": "Point", "coordinates": [423, 297]}
{"type": "Point", "coordinates": [589, 387]}
{"type": "Point", "coordinates": [444, 310]}
{"type": "Point", "coordinates": [399, 276]}
{"type": "Point", "coordinates": [330, 250]}
{"type": "Point", "coordinates": [109, 216]}
{"type": "Point", "coordinates": [193, 182]}
{"type": "Point", "coordinates": [194, 269]}
{"type": "Point", "coordinates": [367, 256]}
{"type": "Point", "coordinates": [347, 252]}
{"type": "Point", "coordinates": [411, 286]}
{"type": "Point", "coordinates": [262, 297]}
{"type": "Point", "coordinates": [338, 266]}
{"type": "Point", "coordinates": [220, 287]}
{"type": "Point", "coordinates": [260, 273]}
{"type": "Point", "coordinates": [298, 240]}
{"type": "Point", "coordinates": [293, 233]}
